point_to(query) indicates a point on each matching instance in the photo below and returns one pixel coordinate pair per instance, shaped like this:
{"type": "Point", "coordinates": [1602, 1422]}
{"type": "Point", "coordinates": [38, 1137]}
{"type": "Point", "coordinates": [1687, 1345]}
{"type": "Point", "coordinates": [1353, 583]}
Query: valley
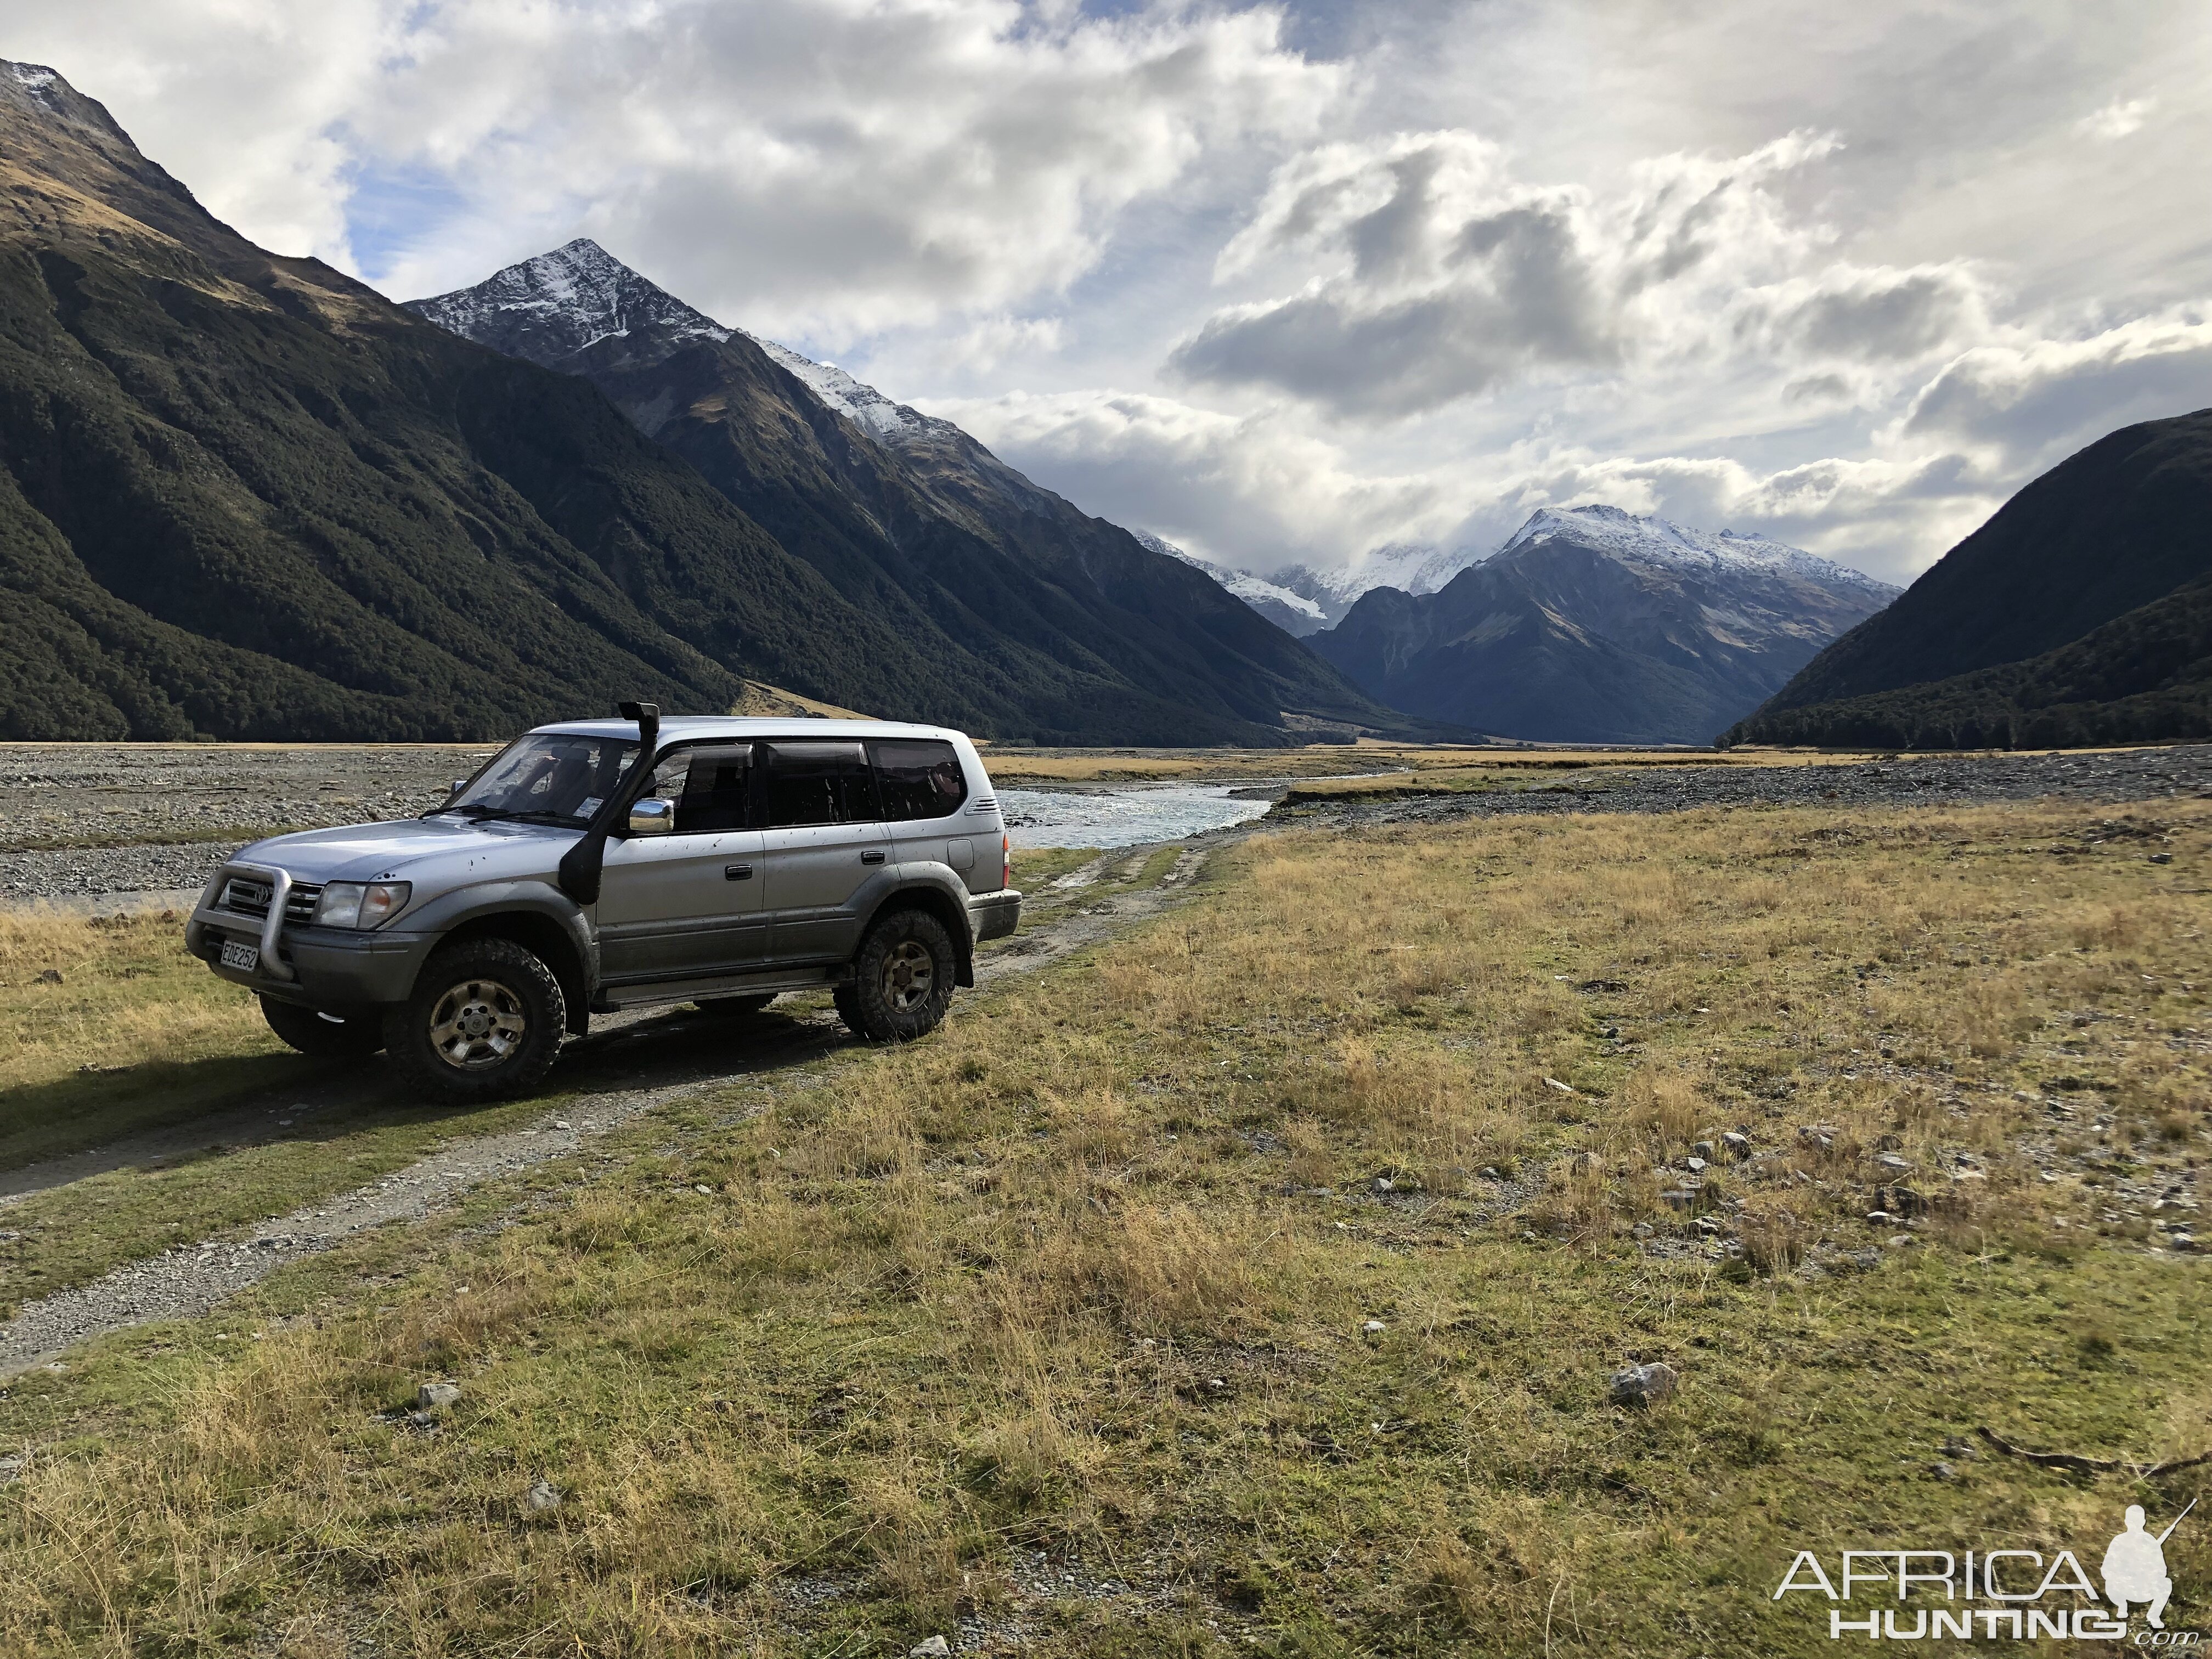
{"type": "Point", "coordinates": [1165, 1300]}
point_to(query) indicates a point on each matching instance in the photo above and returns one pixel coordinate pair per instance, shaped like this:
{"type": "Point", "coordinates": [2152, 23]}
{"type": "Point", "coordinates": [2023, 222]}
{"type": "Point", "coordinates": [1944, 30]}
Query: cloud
{"type": "Point", "coordinates": [823, 166]}
{"type": "Point", "coordinates": [2118, 119]}
{"type": "Point", "coordinates": [2025, 404]}
{"type": "Point", "coordinates": [1849, 315]}
{"type": "Point", "coordinates": [1433, 274]}
{"type": "Point", "coordinates": [1259, 491]}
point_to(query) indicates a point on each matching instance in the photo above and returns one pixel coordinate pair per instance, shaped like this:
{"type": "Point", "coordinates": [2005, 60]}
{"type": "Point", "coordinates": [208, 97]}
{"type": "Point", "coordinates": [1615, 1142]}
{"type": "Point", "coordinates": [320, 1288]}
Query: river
{"type": "Point", "coordinates": [1124, 816]}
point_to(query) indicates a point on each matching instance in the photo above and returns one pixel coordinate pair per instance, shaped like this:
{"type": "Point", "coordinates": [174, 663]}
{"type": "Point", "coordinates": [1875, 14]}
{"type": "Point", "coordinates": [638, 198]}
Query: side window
{"type": "Point", "coordinates": [806, 782]}
{"type": "Point", "coordinates": [716, 789]}
{"type": "Point", "coordinates": [667, 780]}
{"type": "Point", "coordinates": [920, 778]}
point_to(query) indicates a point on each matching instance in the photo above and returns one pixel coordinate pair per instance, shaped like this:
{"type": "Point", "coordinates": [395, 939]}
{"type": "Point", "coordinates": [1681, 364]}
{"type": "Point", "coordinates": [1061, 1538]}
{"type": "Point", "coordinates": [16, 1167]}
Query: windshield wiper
{"type": "Point", "coordinates": [475, 809]}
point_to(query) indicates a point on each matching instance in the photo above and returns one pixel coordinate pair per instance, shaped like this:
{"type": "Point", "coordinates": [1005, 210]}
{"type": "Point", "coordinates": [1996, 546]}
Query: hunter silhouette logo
{"type": "Point", "coordinates": [2135, 1568]}
{"type": "Point", "coordinates": [1996, 1594]}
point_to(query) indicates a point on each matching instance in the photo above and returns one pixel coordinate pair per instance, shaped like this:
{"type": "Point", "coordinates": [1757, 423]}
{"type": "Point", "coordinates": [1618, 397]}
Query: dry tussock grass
{"type": "Point", "coordinates": [126, 996]}
{"type": "Point", "coordinates": [1061, 1276]}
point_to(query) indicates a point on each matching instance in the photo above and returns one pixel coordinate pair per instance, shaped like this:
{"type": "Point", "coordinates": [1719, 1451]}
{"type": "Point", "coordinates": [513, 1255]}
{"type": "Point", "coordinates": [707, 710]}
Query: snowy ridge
{"type": "Point", "coordinates": [1409, 566]}
{"type": "Point", "coordinates": [1253, 590]}
{"type": "Point", "coordinates": [576, 295]}
{"type": "Point", "coordinates": [862, 404]}
{"type": "Point", "coordinates": [1661, 542]}
{"type": "Point", "coordinates": [37, 80]}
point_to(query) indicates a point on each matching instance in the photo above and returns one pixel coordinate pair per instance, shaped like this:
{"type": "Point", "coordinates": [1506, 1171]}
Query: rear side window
{"type": "Point", "coordinates": [806, 782]}
{"type": "Point", "coordinates": [717, 789]}
{"type": "Point", "coordinates": [920, 778]}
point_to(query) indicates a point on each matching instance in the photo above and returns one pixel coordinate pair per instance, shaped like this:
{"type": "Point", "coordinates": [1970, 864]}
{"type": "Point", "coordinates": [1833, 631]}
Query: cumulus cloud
{"type": "Point", "coordinates": [1252, 488]}
{"type": "Point", "coordinates": [2025, 404]}
{"type": "Point", "coordinates": [1433, 274]}
{"type": "Point", "coordinates": [826, 166]}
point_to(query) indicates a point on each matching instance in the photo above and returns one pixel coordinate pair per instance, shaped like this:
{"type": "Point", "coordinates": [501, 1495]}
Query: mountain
{"type": "Point", "coordinates": [1593, 625]}
{"type": "Point", "coordinates": [1056, 626]}
{"type": "Point", "coordinates": [2074, 615]}
{"type": "Point", "coordinates": [1409, 566]}
{"type": "Point", "coordinates": [244, 496]}
{"type": "Point", "coordinates": [1293, 613]}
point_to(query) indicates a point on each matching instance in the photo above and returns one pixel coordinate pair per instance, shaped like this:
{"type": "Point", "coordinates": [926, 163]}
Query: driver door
{"type": "Point", "coordinates": [687, 905]}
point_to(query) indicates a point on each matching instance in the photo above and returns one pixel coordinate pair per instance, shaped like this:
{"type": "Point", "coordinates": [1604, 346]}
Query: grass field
{"type": "Point", "coordinates": [1086, 1327]}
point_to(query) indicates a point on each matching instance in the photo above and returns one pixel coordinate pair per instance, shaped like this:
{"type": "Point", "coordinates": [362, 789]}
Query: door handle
{"type": "Point", "coordinates": [737, 873]}
{"type": "Point", "coordinates": [871, 858]}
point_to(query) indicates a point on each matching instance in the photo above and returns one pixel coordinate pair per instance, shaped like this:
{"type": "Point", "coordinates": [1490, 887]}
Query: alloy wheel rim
{"type": "Point", "coordinates": [478, 1024]}
{"type": "Point", "coordinates": [909, 974]}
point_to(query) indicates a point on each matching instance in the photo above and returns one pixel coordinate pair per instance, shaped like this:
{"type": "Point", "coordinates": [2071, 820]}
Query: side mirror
{"type": "Point", "coordinates": [457, 786]}
{"type": "Point", "coordinates": [651, 817]}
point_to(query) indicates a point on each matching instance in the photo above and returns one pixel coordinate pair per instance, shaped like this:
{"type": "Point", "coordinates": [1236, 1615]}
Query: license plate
{"type": "Point", "coordinates": [244, 957]}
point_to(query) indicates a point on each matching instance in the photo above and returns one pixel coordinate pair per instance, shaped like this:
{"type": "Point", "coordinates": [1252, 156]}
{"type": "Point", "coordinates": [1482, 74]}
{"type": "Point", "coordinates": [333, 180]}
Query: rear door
{"type": "Point", "coordinates": [824, 838]}
{"type": "Point", "coordinates": [923, 790]}
{"type": "Point", "coordinates": [689, 904]}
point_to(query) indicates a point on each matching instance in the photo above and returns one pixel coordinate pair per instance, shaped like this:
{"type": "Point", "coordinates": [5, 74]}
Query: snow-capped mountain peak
{"type": "Point", "coordinates": [579, 295]}
{"type": "Point", "coordinates": [1652, 540]}
{"type": "Point", "coordinates": [567, 300]}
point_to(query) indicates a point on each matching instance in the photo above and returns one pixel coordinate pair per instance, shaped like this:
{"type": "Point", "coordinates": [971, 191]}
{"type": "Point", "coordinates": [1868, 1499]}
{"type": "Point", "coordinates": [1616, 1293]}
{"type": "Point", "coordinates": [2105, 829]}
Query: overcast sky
{"type": "Point", "coordinates": [1284, 283]}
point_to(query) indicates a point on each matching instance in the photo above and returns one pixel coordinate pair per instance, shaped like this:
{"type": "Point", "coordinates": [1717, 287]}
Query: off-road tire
{"type": "Point", "coordinates": [901, 979]}
{"type": "Point", "coordinates": [484, 1022]}
{"type": "Point", "coordinates": [735, 1007]}
{"type": "Point", "coordinates": [326, 1036]}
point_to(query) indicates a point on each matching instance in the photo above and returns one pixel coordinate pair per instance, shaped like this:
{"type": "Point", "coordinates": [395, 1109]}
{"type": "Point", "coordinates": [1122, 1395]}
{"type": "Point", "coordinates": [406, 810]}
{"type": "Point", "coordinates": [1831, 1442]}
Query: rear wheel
{"type": "Point", "coordinates": [484, 1022]}
{"type": "Point", "coordinates": [326, 1037]}
{"type": "Point", "coordinates": [901, 979]}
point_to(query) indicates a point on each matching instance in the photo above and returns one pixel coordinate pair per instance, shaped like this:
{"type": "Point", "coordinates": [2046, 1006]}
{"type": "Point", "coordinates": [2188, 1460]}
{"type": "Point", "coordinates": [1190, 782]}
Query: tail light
{"type": "Point", "coordinates": [1006, 865]}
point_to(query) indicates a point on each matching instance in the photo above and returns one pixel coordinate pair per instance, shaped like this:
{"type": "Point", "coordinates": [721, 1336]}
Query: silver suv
{"type": "Point", "coordinates": [603, 865]}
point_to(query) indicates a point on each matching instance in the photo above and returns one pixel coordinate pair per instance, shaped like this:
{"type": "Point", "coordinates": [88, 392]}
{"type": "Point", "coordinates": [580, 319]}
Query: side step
{"type": "Point", "coordinates": [612, 999]}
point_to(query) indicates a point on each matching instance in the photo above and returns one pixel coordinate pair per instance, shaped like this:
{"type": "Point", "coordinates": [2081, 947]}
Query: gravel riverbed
{"type": "Point", "coordinates": [2134, 775]}
{"type": "Point", "coordinates": [85, 818]}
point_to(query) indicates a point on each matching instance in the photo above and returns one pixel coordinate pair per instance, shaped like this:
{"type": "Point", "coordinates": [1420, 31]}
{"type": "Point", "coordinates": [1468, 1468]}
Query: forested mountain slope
{"type": "Point", "coordinates": [244, 496]}
{"type": "Point", "coordinates": [2077, 614]}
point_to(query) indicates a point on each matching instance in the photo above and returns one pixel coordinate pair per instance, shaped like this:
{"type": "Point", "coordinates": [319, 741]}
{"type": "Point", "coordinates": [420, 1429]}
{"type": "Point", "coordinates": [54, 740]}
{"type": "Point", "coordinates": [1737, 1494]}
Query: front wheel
{"type": "Point", "coordinates": [901, 979]}
{"type": "Point", "coordinates": [484, 1022]}
{"type": "Point", "coordinates": [326, 1036]}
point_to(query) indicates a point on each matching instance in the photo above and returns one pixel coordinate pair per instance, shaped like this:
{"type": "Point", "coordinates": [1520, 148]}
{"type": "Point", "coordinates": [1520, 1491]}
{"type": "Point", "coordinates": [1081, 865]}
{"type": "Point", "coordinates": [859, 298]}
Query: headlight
{"type": "Point", "coordinates": [350, 904]}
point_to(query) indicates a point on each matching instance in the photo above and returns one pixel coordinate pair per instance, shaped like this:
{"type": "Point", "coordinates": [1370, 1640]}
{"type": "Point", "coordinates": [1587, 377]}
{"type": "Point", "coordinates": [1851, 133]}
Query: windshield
{"type": "Point", "coordinates": [550, 779]}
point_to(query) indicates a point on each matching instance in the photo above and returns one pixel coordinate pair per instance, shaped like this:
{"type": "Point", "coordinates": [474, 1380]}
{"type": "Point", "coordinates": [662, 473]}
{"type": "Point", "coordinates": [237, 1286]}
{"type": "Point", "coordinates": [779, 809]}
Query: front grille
{"type": "Point", "coordinates": [250, 897]}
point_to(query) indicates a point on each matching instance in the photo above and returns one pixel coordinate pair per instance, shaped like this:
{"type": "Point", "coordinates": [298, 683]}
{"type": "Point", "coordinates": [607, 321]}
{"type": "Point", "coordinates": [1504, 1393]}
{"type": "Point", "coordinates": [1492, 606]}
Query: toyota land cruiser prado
{"type": "Point", "coordinates": [602, 865]}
